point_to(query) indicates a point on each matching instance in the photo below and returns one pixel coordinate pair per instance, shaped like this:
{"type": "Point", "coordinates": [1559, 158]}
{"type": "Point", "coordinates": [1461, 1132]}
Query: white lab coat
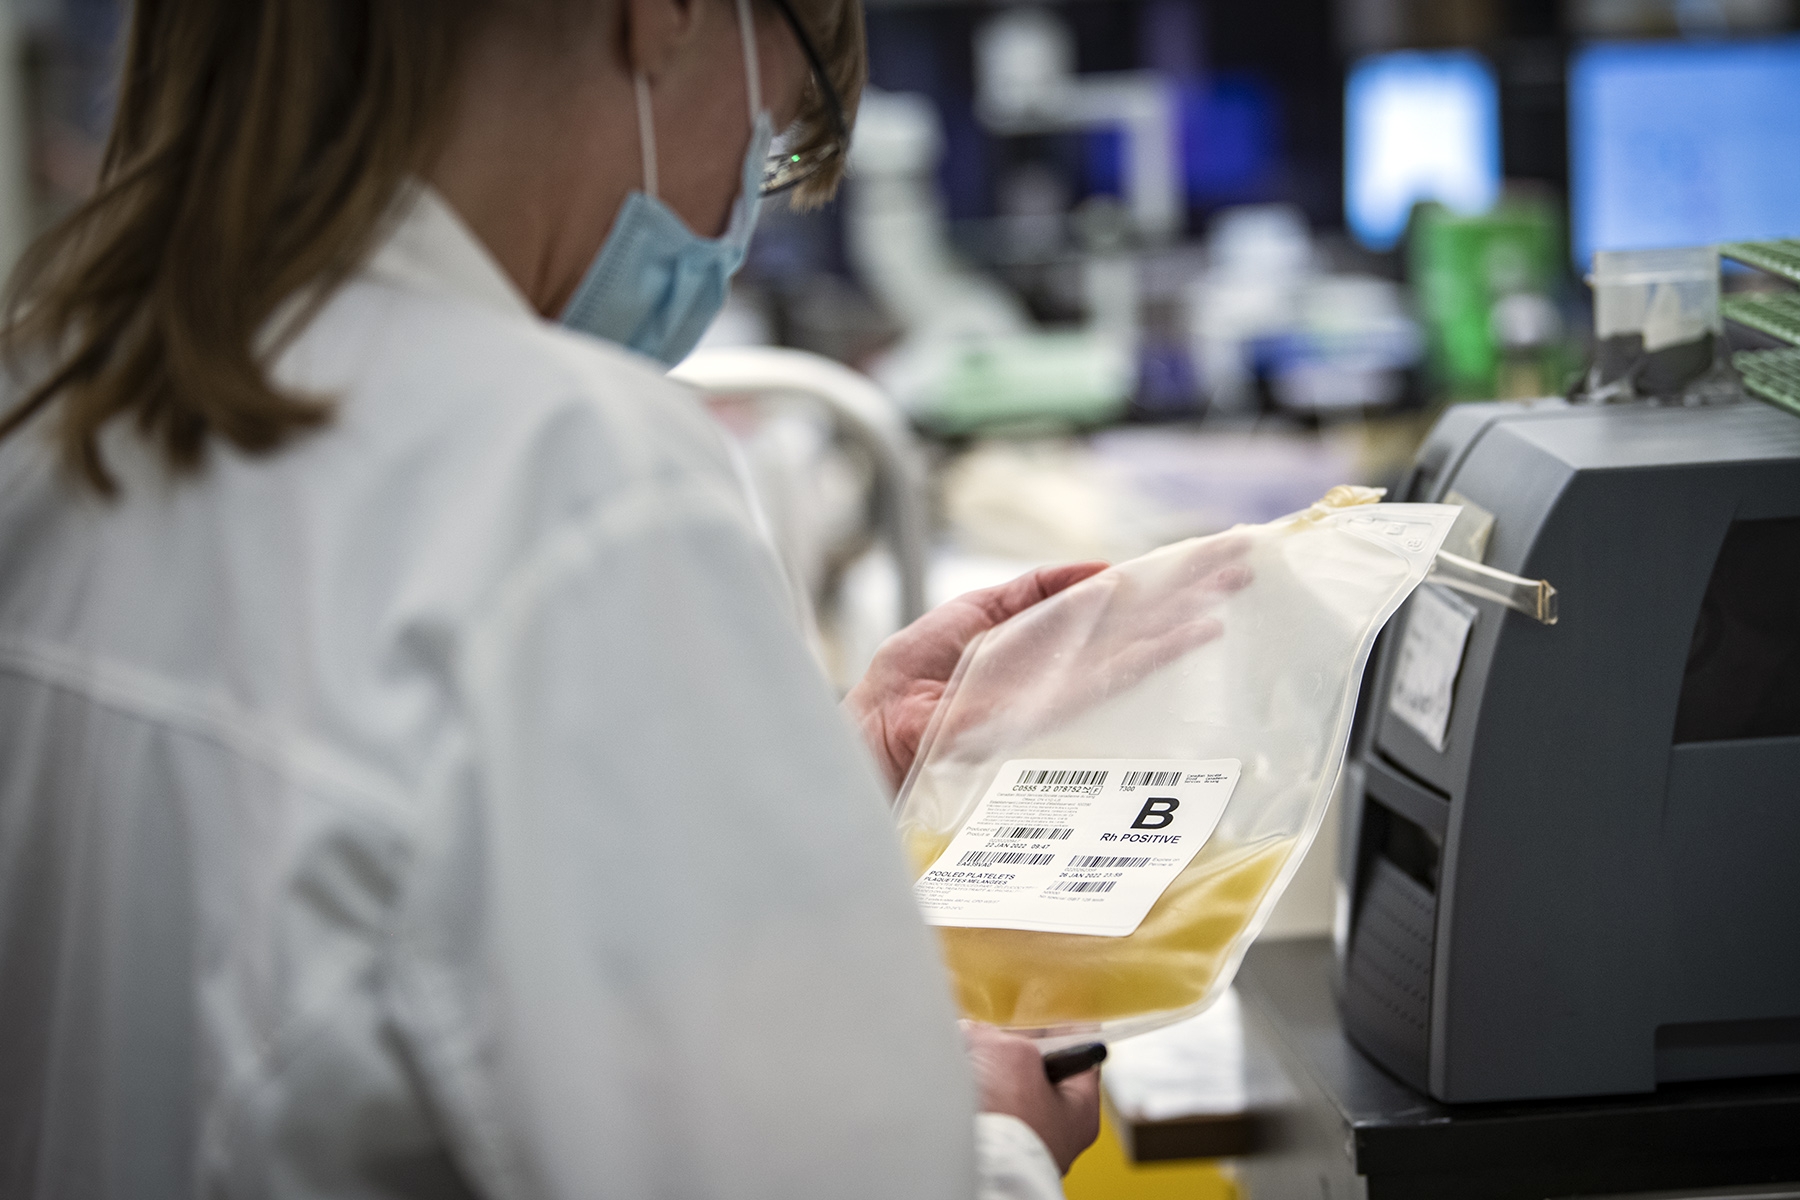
{"type": "Point", "coordinates": [447, 803]}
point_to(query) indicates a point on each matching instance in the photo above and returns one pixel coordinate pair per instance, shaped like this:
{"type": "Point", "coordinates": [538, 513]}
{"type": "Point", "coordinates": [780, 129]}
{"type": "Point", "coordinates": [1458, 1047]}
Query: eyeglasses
{"type": "Point", "coordinates": [785, 168]}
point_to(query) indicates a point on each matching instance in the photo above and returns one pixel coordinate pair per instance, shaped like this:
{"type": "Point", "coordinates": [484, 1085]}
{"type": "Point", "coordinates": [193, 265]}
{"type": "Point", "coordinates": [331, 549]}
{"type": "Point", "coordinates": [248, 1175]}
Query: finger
{"type": "Point", "coordinates": [955, 623]}
{"type": "Point", "coordinates": [1080, 1097]}
{"type": "Point", "coordinates": [1132, 664]}
{"type": "Point", "coordinates": [1054, 579]}
{"type": "Point", "coordinates": [1081, 1089]}
{"type": "Point", "coordinates": [1233, 578]}
{"type": "Point", "coordinates": [1152, 654]}
{"type": "Point", "coordinates": [1224, 548]}
{"type": "Point", "coordinates": [1158, 636]}
{"type": "Point", "coordinates": [1033, 587]}
{"type": "Point", "coordinates": [1177, 609]}
{"type": "Point", "coordinates": [1000, 603]}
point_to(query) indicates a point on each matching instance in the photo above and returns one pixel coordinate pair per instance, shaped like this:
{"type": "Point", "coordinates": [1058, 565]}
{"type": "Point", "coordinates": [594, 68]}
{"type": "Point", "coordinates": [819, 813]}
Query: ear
{"type": "Point", "coordinates": [656, 31]}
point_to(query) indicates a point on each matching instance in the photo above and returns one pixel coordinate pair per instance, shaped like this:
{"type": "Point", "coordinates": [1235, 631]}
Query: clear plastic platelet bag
{"type": "Point", "coordinates": [1119, 781]}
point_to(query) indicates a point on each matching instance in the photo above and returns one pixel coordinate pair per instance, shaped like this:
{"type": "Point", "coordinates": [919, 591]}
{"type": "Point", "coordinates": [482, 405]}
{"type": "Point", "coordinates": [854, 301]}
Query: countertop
{"type": "Point", "coordinates": [1395, 1142]}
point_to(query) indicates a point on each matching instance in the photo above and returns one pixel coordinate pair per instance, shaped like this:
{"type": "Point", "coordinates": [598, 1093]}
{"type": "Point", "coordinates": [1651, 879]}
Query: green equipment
{"type": "Point", "coordinates": [1771, 375]}
{"type": "Point", "coordinates": [1463, 268]}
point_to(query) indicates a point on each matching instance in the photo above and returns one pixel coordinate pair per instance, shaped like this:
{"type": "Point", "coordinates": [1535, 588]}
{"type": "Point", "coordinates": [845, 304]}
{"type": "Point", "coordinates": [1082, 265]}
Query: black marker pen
{"type": "Point", "coordinates": [1071, 1061]}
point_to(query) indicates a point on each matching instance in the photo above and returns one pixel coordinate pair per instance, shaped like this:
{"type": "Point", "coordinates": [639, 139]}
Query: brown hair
{"type": "Point", "coordinates": [257, 147]}
{"type": "Point", "coordinates": [836, 30]}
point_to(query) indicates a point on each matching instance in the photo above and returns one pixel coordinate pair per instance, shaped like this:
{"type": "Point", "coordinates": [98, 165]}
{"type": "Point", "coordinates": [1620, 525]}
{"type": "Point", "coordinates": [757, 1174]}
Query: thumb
{"type": "Point", "coordinates": [1082, 1089]}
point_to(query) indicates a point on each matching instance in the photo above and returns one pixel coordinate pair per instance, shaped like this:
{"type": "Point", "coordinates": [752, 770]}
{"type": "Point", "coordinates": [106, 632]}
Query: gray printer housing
{"type": "Point", "coordinates": [1570, 899]}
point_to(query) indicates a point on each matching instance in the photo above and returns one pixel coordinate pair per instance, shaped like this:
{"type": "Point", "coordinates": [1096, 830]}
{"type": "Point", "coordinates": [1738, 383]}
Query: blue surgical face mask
{"type": "Point", "coordinates": [656, 284]}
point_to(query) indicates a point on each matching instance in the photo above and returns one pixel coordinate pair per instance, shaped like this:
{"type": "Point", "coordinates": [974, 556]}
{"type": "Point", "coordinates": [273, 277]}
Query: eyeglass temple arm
{"type": "Point", "coordinates": [833, 105]}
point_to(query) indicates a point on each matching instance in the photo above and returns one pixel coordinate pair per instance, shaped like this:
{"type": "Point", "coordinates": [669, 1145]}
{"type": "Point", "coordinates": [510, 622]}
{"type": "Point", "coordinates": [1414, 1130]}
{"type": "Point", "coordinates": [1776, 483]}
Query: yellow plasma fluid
{"type": "Point", "coordinates": [1024, 980]}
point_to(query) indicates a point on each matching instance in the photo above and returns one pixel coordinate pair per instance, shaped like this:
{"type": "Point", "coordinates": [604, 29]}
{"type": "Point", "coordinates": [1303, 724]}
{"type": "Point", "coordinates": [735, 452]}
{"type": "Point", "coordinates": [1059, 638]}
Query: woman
{"type": "Point", "coordinates": [409, 782]}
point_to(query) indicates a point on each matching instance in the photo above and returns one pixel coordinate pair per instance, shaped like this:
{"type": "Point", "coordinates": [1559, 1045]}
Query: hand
{"type": "Point", "coordinates": [1057, 661]}
{"type": "Point", "coordinates": [1009, 1078]}
{"type": "Point", "coordinates": [895, 698]}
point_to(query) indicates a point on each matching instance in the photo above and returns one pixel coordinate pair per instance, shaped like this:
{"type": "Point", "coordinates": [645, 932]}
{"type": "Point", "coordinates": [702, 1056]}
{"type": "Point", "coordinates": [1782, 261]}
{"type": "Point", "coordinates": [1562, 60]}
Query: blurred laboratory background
{"type": "Point", "coordinates": [1122, 271]}
{"type": "Point", "coordinates": [1137, 269]}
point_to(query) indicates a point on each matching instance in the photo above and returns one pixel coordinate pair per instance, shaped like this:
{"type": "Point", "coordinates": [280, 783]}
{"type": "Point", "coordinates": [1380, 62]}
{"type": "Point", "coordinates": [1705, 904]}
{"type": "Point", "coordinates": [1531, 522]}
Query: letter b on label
{"type": "Point", "coordinates": [1158, 811]}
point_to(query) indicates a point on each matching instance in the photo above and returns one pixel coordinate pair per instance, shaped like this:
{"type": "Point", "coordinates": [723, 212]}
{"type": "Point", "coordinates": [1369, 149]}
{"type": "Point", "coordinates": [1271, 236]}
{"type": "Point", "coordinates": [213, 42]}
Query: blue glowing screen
{"type": "Point", "coordinates": [1683, 144]}
{"type": "Point", "coordinates": [1418, 126]}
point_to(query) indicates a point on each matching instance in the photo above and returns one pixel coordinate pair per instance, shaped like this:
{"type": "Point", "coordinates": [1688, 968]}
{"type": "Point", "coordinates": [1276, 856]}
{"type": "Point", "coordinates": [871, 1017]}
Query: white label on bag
{"type": "Point", "coordinates": [1437, 631]}
{"type": "Point", "coordinates": [1084, 845]}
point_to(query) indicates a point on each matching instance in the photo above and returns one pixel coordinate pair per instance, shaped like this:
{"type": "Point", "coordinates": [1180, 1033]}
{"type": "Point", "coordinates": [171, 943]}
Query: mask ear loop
{"type": "Point", "coordinates": [646, 130]}
{"type": "Point", "coordinates": [752, 71]}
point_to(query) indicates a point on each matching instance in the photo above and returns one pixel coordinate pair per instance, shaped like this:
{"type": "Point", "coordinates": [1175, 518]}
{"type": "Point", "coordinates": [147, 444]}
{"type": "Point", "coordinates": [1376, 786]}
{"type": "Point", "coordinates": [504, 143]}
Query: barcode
{"type": "Point", "coordinates": [1075, 778]}
{"type": "Point", "coordinates": [1032, 834]}
{"type": "Point", "coordinates": [1086, 885]}
{"type": "Point", "coordinates": [1151, 779]}
{"type": "Point", "coordinates": [1012, 858]}
{"type": "Point", "coordinates": [1086, 862]}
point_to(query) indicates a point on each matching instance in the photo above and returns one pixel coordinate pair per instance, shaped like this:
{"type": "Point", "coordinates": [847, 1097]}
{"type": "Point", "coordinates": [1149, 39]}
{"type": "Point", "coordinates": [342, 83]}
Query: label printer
{"type": "Point", "coordinates": [1571, 852]}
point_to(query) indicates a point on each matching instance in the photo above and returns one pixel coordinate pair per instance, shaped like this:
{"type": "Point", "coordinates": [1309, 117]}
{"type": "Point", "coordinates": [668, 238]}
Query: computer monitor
{"type": "Point", "coordinates": [1418, 125]}
{"type": "Point", "coordinates": [1683, 144]}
